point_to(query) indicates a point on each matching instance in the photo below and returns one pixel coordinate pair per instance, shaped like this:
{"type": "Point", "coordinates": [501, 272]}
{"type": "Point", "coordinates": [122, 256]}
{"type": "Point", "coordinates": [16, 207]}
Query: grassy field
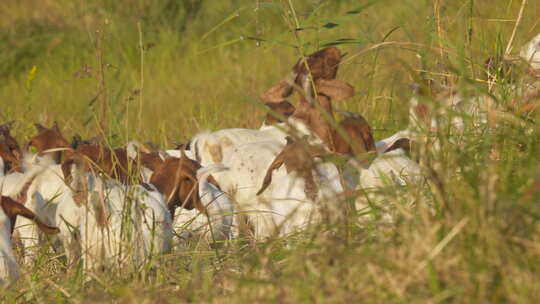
{"type": "Point", "coordinates": [165, 70]}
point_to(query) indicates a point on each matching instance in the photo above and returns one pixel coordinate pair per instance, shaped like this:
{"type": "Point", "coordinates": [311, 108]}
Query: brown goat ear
{"type": "Point", "coordinates": [276, 164]}
{"type": "Point", "coordinates": [39, 127]}
{"type": "Point", "coordinates": [277, 93]}
{"type": "Point", "coordinates": [323, 64]}
{"type": "Point", "coordinates": [402, 143]}
{"type": "Point", "coordinates": [12, 209]}
{"type": "Point", "coordinates": [195, 198]}
{"type": "Point", "coordinates": [335, 89]}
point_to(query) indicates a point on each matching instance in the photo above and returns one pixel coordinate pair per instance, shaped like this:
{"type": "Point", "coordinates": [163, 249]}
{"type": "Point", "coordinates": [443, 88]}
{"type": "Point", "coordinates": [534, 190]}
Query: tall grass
{"type": "Point", "coordinates": [172, 68]}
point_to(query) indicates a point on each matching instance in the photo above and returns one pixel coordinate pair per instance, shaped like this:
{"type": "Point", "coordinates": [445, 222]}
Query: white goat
{"type": "Point", "coordinates": [292, 209]}
{"type": "Point", "coordinates": [390, 169]}
{"type": "Point", "coordinates": [214, 147]}
{"type": "Point", "coordinates": [248, 165]}
{"type": "Point", "coordinates": [122, 225]}
{"type": "Point", "coordinates": [52, 200]}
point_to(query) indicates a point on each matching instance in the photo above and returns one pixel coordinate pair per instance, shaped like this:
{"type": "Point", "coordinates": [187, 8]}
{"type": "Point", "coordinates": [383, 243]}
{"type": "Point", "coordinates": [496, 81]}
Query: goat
{"type": "Point", "coordinates": [360, 138]}
{"type": "Point", "coordinates": [13, 184]}
{"type": "Point", "coordinates": [186, 184]}
{"type": "Point", "coordinates": [219, 208]}
{"type": "Point", "coordinates": [122, 225]}
{"type": "Point", "coordinates": [9, 210]}
{"type": "Point", "coordinates": [50, 195]}
{"type": "Point", "coordinates": [115, 163]}
{"type": "Point", "coordinates": [300, 189]}
{"type": "Point", "coordinates": [247, 165]}
{"type": "Point", "coordinates": [307, 119]}
{"type": "Point", "coordinates": [390, 169]}
{"type": "Point", "coordinates": [147, 161]}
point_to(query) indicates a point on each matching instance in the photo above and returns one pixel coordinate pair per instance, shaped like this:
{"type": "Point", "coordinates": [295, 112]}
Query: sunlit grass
{"type": "Point", "coordinates": [476, 242]}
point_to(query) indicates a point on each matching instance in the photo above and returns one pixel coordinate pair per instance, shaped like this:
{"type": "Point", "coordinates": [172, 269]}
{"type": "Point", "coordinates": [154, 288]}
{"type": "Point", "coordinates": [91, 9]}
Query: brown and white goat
{"type": "Point", "coordinates": [313, 116]}
{"type": "Point", "coordinates": [288, 201]}
{"type": "Point", "coordinates": [186, 185]}
{"type": "Point", "coordinates": [9, 210]}
{"type": "Point", "coordinates": [47, 139]}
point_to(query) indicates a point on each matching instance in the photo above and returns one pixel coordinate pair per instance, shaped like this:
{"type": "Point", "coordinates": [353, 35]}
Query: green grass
{"type": "Point", "coordinates": [203, 68]}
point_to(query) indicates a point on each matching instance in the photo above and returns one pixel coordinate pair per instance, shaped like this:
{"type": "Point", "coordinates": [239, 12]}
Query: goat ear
{"type": "Point", "coordinates": [276, 164]}
{"type": "Point", "coordinates": [214, 182]}
{"type": "Point", "coordinates": [402, 143]}
{"type": "Point", "coordinates": [39, 127]}
{"type": "Point", "coordinates": [55, 126]}
{"type": "Point", "coordinates": [277, 93]}
{"type": "Point", "coordinates": [323, 64]}
{"type": "Point", "coordinates": [369, 142]}
{"type": "Point", "coordinates": [12, 209]}
{"type": "Point", "coordinates": [335, 89]}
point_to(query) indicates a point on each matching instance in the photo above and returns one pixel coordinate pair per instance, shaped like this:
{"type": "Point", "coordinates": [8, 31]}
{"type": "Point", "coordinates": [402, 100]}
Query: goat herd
{"type": "Point", "coordinates": [116, 207]}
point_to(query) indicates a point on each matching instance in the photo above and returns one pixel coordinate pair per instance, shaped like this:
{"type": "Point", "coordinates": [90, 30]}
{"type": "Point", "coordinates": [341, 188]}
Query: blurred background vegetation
{"type": "Point", "coordinates": [203, 63]}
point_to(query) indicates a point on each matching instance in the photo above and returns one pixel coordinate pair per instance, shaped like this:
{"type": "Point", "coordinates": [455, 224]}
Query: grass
{"type": "Point", "coordinates": [202, 67]}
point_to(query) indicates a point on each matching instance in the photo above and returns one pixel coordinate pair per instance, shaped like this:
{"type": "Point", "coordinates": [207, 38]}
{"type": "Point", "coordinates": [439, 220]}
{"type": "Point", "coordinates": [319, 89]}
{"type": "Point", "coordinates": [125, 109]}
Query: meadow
{"type": "Point", "coordinates": [162, 71]}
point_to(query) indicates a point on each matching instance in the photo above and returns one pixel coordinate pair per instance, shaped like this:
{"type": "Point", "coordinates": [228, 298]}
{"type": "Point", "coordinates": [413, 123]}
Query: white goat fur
{"type": "Point", "coordinates": [9, 269]}
{"type": "Point", "coordinates": [530, 52]}
{"type": "Point", "coordinates": [214, 147]}
{"type": "Point", "coordinates": [102, 241]}
{"type": "Point", "coordinates": [52, 200]}
{"type": "Point", "coordinates": [267, 212]}
{"type": "Point", "coordinates": [12, 184]}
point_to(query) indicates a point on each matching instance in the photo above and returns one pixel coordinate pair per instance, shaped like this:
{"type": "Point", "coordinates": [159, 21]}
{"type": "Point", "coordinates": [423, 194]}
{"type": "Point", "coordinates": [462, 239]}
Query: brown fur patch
{"type": "Point", "coordinates": [49, 138]}
{"type": "Point", "coordinates": [22, 196]}
{"type": "Point", "coordinates": [283, 108]}
{"type": "Point", "coordinates": [151, 160]}
{"type": "Point", "coordinates": [113, 163]}
{"type": "Point", "coordinates": [277, 93]}
{"type": "Point", "coordinates": [322, 64]}
{"type": "Point", "coordinates": [297, 156]}
{"type": "Point", "coordinates": [176, 180]}
{"type": "Point", "coordinates": [335, 89]}
{"type": "Point", "coordinates": [359, 132]}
